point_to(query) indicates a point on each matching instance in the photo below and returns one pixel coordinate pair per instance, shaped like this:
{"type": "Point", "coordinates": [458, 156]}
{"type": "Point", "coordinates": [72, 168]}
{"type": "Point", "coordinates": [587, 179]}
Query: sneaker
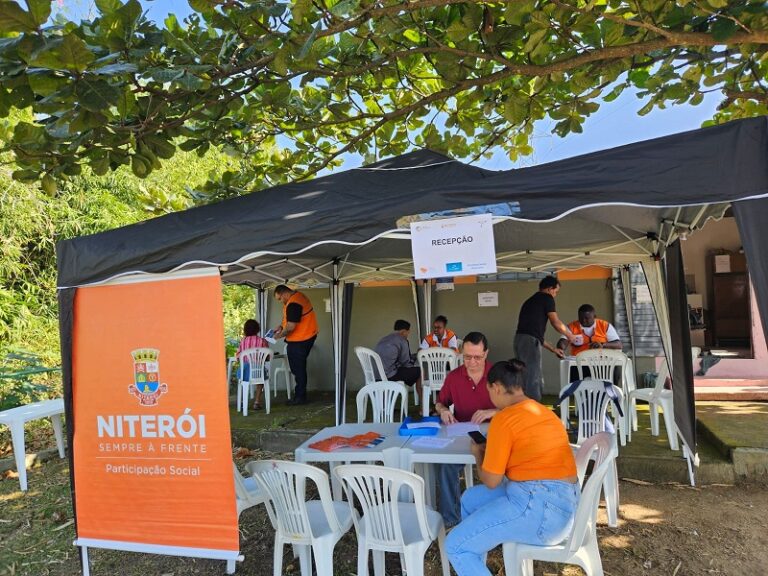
{"type": "Point", "coordinates": [296, 402]}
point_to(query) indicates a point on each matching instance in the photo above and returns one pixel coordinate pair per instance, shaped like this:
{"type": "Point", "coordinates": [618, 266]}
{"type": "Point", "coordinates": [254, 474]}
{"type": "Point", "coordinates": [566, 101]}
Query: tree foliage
{"type": "Point", "coordinates": [290, 87]}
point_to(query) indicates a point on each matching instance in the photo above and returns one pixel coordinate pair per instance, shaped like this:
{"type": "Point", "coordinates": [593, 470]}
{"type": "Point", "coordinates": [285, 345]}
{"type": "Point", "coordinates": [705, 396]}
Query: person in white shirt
{"type": "Point", "coordinates": [441, 336]}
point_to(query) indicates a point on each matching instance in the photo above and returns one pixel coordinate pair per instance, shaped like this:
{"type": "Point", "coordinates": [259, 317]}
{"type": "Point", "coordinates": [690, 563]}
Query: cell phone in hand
{"type": "Point", "coordinates": [477, 437]}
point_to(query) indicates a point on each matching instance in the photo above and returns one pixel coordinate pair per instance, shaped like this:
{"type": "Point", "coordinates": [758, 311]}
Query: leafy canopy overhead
{"type": "Point", "coordinates": [292, 86]}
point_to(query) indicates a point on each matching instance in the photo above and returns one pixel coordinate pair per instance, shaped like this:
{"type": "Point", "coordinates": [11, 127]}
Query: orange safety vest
{"type": "Point", "coordinates": [433, 342]}
{"type": "Point", "coordinates": [307, 326]}
{"type": "Point", "coordinates": [600, 334]}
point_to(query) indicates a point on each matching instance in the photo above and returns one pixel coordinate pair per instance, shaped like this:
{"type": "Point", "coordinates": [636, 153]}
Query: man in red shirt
{"type": "Point", "coordinates": [465, 389]}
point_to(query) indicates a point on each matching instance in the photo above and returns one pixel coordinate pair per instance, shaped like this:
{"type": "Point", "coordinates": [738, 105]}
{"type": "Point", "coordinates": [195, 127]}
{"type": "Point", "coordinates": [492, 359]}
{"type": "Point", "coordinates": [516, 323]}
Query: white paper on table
{"type": "Point", "coordinates": [431, 442]}
{"type": "Point", "coordinates": [415, 425]}
{"type": "Point", "coordinates": [461, 428]}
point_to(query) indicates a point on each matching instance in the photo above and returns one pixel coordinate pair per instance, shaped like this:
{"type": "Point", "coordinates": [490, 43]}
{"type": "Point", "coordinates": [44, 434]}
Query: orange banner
{"type": "Point", "coordinates": [152, 444]}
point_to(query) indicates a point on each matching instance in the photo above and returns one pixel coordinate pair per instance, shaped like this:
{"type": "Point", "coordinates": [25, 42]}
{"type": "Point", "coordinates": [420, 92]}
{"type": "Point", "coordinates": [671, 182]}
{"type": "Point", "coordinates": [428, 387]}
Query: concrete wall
{"type": "Point", "coordinates": [376, 308]}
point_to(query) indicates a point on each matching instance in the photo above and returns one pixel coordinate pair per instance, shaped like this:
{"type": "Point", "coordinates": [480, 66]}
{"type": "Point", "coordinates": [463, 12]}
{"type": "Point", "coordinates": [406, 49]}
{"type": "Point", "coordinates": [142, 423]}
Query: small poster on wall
{"type": "Point", "coordinates": [488, 299]}
{"type": "Point", "coordinates": [462, 246]}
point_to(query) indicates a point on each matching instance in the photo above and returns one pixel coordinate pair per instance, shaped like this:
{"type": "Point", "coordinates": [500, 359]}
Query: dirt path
{"type": "Point", "coordinates": [668, 530]}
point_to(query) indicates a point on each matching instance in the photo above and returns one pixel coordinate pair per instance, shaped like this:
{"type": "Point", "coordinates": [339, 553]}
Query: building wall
{"type": "Point", "coordinates": [724, 234]}
{"type": "Point", "coordinates": [376, 308]}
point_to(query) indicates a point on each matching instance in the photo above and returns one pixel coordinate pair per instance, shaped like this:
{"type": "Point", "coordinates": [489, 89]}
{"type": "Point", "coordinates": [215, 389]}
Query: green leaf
{"type": "Point", "coordinates": [14, 19]}
{"type": "Point", "coordinates": [723, 29]}
{"type": "Point", "coordinates": [40, 10]}
{"type": "Point", "coordinates": [74, 54]}
{"type": "Point", "coordinates": [308, 43]}
{"type": "Point", "coordinates": [412, 35]}
{"type": "Point", "coordinates": [45, 83]}
{"type": "Point", "coordinates": [108, 6]}
{"type": "Point", "coordinates": [163, 75]}
{"type": "Point", "coordinates": [96, 95]}
{"type": "Point", "coordinates": [345, 7]}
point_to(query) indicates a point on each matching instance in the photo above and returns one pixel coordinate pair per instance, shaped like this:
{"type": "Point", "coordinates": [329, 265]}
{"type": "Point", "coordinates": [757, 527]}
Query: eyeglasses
{"type": "Point", "coordinates": [475, 357]}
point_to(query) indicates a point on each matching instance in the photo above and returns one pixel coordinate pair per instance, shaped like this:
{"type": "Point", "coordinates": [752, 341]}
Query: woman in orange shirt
{"type": "Point", "coordinates": [529, 488]}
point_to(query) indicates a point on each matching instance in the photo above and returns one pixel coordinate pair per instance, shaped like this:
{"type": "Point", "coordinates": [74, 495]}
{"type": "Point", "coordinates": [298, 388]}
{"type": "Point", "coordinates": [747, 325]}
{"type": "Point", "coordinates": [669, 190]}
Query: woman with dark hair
{"type": "Point", "coordinates": [252, 339]}
{"type": "Point", "coordinates": [529, 488]}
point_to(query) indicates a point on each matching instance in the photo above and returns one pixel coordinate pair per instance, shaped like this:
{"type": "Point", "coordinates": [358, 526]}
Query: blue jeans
{"type": "Point", "coordinates": [450, 493]}
{"type": "Point", "coordinates": [538, 512]}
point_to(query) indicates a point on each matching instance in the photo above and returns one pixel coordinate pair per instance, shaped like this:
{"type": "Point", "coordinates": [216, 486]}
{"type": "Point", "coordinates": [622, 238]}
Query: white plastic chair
{"type": "Point", "coordinates": [312, 527]}
{"type": "Point", "coordinates": [435, 364]}
{"type": "Point", "coordinates": [602, 443]}
{"type": "Point", "coordinates": [256, 359]}
{"type": "Point", "coordinates": [373, 369]}
{"type": "Point", "coordinates": [658, 398]}
{"type": "Point", "coordinates": [602, 364]}
{"type": "Point", "coordinates": [383, 397]}
{"type": "Point", "coordinates": [280, 367]}
{"type": "Point", "coordinates": [389, 524]}
{"type": "Point", "coordinates": [580, 547]}
{"type": "Point", "coordinates": [592, 403]}
{"type": "Point", "coordinates": [247, 492]}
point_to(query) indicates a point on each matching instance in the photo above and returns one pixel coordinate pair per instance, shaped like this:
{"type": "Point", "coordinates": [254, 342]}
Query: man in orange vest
{"type": "Point", "coordinates": [590, 332]}
{"type": "Point", "coordinates": [299, 328]}
{"type": "Point", "coordinates": [441, 336]}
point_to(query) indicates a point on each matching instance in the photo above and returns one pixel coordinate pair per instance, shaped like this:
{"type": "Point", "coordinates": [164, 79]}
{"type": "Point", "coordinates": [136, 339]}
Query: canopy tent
{"type": "Point", "coordinates": [610, 208]}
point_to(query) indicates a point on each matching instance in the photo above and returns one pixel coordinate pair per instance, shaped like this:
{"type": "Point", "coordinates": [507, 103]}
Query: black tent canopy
{"type": "Point", "coordinates": [614, 207]}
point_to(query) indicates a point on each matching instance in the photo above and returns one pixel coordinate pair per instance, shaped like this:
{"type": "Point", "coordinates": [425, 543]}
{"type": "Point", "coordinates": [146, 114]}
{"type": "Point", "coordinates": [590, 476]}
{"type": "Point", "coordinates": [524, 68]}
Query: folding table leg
{"type": "Point", "coordinates": [57, 432]}
{"type": "Point", "coordinates": [19, 452]}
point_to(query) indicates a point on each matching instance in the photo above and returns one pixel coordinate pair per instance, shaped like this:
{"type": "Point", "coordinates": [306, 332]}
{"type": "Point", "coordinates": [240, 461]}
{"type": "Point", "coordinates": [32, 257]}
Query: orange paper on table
{"type": "Point", "coordinates": [152, 443]}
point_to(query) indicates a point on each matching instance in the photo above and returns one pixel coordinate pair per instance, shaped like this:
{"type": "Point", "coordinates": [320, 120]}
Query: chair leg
{"type": "Point", "coordinates": [246, 396]}
{"type": "Point", "coordinates": [445, 565]}
{"type": "Point", "coordinates": [277, 558]}
{"type": "Point", "coordinates": [378, 563]}
{"type": "Point", "coordinates": [611, 492]}
{"type": "Point", "coordinates": [305, 560]}
{"type": "Point", "coordinates": [653, 408]}
{"type": "Point", "coordinates": [266, 396]}
{"type": "Point", "coordinates": [512, 565]}
{"type": "Point", "coordinates": [669, 424]}
{"type": "Point", "coordinates": [323, 553]}
{"type": "Point", "coordinates": [414, 560]}
{"type": "Point", "coordinates": [593, 564]}
{"type": "Point", "coordinates": [362, 559]}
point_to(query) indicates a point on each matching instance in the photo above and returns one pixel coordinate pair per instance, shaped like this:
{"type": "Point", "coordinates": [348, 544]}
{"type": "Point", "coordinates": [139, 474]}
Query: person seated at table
{"type": "Point", "coordinates": [441, 336]}
{"type": "Point", "coordinates": [529, 490]}
{"type": "Point", "coordinates": [590, 333]}
{"type": "Point", "coordinates": [252, 339]}
{"type": "Point", "coordinates": [395, 353]}
{"type": "Point", "coordinates": [466, 390]}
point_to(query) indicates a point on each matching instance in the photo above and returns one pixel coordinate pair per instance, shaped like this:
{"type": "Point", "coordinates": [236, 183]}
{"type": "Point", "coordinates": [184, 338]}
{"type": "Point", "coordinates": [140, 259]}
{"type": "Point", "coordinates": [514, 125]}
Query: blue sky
{"type": "Point", "coordinates": [615, 124]}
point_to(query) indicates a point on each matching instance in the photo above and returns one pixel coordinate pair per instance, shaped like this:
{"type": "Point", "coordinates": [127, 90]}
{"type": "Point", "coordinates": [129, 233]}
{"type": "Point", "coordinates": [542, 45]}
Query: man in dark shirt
{"type": "Point", "coordinates": [531, 325]}
{"type": "Point", "coordinates": [396, 359]}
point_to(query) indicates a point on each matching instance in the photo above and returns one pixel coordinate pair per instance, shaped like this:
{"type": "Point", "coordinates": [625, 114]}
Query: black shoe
{"type": "Point", "coordinates": [296, 401]}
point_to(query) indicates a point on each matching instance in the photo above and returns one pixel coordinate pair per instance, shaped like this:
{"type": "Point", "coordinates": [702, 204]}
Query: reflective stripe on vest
{"type": "Point", "coordinates": [307, 326]}
{"type": "Point", "coordinates": [600, 334]}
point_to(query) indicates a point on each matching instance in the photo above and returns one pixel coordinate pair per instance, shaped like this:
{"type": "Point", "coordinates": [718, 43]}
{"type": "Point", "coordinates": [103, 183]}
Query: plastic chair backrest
{"type": "Point", "coordinates": [373, 369]}
{"type": "Point", "coordinates": [586, 511]}
{"type": "Point", "coordinates": [284, 484]}
{"type": "Point", "coordinates": [435, 364]}
{"type": "Point", "coordinates": [383, 396]}
{"type": "Point", "coordinates": [592, 402]}
{"type": "Point", "coordinates": [601, 363]}
{"type": "Point", "coordinates": [378, 491]}
{"type": "Point", "coordinates": [603, 443]}
{"type": "Point", "coordinates": [256, 359]}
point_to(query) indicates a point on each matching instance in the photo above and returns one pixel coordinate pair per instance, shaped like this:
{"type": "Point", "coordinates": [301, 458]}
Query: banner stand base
{"type": "Point", "coordinates": [231, 556]}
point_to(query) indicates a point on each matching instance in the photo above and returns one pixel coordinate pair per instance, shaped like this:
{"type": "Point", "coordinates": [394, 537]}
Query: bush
{"type": "Point", "coordinates": [24, 379]}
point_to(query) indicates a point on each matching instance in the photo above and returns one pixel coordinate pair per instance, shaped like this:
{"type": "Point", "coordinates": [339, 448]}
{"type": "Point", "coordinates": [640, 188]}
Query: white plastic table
{"type": "Point", "coordinates": [386, 452]}
{"type": "Point", "coordinates": [15, 418]}
{"type": "Point", "coordinates": [457, 452]}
